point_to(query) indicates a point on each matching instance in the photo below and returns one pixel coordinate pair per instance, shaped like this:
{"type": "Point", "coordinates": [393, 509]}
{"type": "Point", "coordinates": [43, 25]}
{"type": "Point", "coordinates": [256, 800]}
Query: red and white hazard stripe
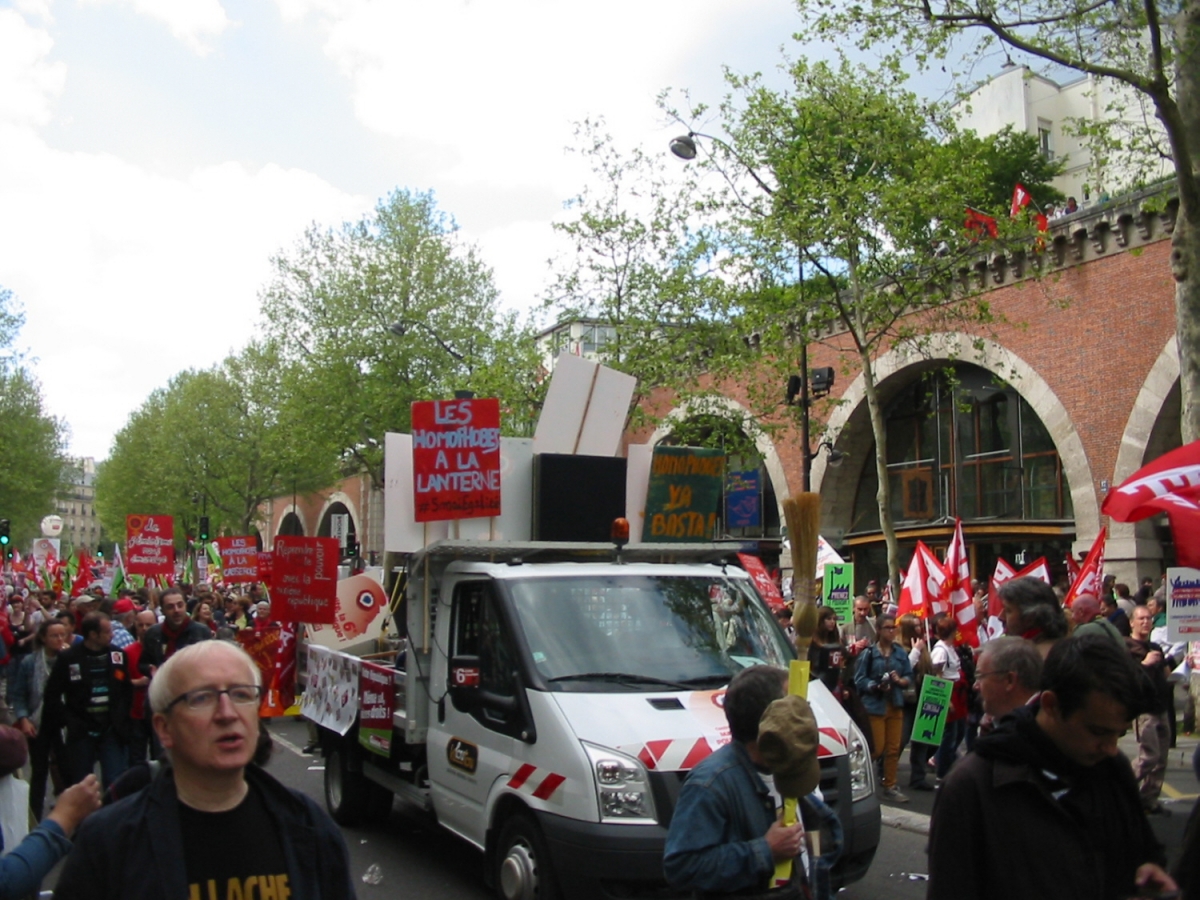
{"type": "Point", "coordinates": [534, 782]}
{"type": "Point", "coordinates": [832, 743]}
{"type": "Point", "coordinates": [674, 755]}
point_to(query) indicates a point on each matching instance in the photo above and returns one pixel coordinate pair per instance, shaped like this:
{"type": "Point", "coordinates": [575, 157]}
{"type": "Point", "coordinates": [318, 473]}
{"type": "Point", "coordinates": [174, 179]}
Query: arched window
{"type": "Point", "coordinates": [962, 443]}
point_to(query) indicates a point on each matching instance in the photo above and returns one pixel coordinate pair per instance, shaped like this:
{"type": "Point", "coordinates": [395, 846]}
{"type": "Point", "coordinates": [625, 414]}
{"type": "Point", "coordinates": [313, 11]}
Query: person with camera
{"type": "Point", "coordinates": [882, 674]}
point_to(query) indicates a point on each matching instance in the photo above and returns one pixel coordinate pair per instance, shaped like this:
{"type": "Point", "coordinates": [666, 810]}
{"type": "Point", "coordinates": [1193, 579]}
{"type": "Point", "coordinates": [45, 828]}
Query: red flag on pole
{"type": "Point", "coordinates": [1039, 570]}
{"type": "Point", "coordinates": [1002, 574]}
{"type": "Point", "coordinates": [1020, 199]}
{"type": "Point", "coordinates": [980, 223]}
{"type": "Point", "coordinates": [922, 586]}
{"type": "Point", "coordinates": [1170, 484]}
{"type": "Point", "coordinates": [1091, 573]}
{"type": "Point", "coordinates": [958, 586]}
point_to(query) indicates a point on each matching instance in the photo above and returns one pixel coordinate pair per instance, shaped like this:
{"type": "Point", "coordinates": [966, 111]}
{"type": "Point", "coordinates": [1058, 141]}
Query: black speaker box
{"type": "Point", "coordinates": [576, 498]}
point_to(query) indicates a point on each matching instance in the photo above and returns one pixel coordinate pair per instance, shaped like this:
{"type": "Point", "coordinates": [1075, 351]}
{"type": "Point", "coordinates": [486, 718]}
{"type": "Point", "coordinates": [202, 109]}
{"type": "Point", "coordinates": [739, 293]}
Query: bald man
{"type": "Point", "coordinates": [1089, 619]}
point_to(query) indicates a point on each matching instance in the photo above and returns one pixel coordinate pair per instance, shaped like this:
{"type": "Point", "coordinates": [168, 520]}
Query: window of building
{"type": "Point", "coordinates": [964, 446]}
{"type": "Point", "coordinates": [1045, 138]}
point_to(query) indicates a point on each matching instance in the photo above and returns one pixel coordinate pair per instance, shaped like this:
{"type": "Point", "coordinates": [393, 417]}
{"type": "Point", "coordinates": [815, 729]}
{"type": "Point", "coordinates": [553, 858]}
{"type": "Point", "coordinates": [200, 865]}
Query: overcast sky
{"type": "Point", "coordinates": [155, 153]}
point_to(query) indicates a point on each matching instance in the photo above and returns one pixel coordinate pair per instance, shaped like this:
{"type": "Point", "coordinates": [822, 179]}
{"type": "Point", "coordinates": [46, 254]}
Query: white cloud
{"type": "Point", "coordinates": [29, 82]}
{"type": "Point", "coordinates": [194, 22]}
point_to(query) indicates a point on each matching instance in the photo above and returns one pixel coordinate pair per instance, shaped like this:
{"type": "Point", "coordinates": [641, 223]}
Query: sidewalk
{"type": "Point", "coordinates": [1179, 794]}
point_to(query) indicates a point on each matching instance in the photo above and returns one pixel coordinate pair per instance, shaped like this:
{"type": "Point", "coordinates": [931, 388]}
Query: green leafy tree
{"type": "Point", "coordinates": [1010, 158]}
{"type": "Point", "coordinates": [1147, 56]}
{"type": "Point", "coordinates": [32, 461]}
{"type": "Point", "coordinates": [849, 202]}
{"type": "Point", "coordinates": [212, 442]}
{"type": "Point", "coordinates": [642, 266]}
{"type": "Point", "coordinates": [384, 311]}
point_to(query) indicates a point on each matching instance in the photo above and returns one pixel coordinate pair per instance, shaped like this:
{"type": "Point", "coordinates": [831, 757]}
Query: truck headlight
{"type": "Point", "coordinates": [862, 773]}
{"type": "Point", "coordinates": [622, 785]}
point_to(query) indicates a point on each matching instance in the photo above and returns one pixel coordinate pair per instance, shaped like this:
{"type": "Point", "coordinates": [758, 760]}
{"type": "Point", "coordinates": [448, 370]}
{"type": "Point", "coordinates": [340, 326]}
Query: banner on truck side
{"type": "Point", "coordinates": [456, 459]}
{"type": "Point", "coordinates": [331, 691]}
{"type": "Point", "coordinates": [376, 700]}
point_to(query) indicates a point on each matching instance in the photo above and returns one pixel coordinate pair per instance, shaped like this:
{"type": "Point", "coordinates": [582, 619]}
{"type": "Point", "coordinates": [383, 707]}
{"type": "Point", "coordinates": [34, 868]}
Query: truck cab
{"type": "Point", "coordinates": [551, 703]}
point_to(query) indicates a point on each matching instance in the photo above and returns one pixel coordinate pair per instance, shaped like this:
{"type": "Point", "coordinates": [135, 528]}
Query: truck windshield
{"type": "Point", "coordinates": [644, 633]}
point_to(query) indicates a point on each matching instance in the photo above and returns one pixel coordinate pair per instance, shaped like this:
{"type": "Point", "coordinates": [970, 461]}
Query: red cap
{"type": "Point", "coordinates": [124, 605]}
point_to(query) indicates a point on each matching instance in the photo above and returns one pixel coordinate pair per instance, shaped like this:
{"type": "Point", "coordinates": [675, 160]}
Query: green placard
{"type": "Point", "coordinates": [932, 708]}
{"type": "Point", "coordinates": [837, 589]}
{"type": "Point", "coordinates": [683, 495]}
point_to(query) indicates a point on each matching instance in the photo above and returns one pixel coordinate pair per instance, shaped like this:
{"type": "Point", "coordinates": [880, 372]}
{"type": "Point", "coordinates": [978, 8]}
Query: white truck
{"type": "Point", "coordinates": [553, 697]}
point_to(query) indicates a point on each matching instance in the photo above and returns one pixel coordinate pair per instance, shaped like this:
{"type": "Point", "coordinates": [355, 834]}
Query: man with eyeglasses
{"type": "Point", "coordinates": [211, 824]}
{"type": "Point", "coordinates": [1007, 676]}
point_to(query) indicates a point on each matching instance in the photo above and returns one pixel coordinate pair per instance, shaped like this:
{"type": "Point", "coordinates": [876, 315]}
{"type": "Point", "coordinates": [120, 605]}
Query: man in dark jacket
{"type": "Point", "coordinates": [176, 631]}
{"type": "Point", "coordinates": [1046, 806]}
{"type": "Point", "coordinates": [211, 824]}
{"type": "Point", "coordinates": [88, 694]}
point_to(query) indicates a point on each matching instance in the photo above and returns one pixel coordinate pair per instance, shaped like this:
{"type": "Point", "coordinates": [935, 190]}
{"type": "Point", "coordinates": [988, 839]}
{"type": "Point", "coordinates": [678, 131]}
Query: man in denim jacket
{"type": "Point", "coordinates": [725, 837]}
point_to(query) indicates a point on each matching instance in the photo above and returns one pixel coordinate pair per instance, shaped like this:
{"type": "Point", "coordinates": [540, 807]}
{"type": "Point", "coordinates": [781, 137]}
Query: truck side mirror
{"type": "Point", "coordinates": [463, 685]}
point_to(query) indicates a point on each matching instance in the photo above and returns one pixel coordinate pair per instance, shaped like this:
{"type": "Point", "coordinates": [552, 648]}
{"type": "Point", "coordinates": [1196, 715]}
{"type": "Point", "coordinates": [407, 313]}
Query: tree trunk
{"type": "Point", "coordinates": [1185, 242]}
{"type": "Point", "coordinates": [884, 494]}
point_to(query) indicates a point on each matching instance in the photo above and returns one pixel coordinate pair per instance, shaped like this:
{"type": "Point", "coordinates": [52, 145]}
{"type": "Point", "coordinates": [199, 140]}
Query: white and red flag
{"type": "Point", "coordinates": [1170, 484]}
{"type": "Point", "coordinates": [1020, 199]}
{"type": "Point", "coordinates": [1003, 573]}
{"type": "Point", "coordinates": [920, 594]}
{"type": "Point", "coordinates": [1091, 573]}
{"type": "Point", "coordinates": [957, 589]}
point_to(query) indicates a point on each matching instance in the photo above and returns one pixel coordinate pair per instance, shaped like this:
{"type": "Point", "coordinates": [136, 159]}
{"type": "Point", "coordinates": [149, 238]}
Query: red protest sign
{"type": "Point", "coordinates": [264, 567]}
{"type": "Point", "coordinates": [304, 574]}
{"type": "Point", "coordinates": [762, 580]}
{"type": "Point", "coordinates": [239, 558]}
{"type": "Point", "coordinates": [456, 459]}
{"type": "Point", "coordinates": [149, 545]}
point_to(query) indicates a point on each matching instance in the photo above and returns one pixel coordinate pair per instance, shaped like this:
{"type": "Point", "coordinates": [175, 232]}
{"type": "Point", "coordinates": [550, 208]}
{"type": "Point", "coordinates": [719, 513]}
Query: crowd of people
{"type": "Point", "coordinates": [87, 684]}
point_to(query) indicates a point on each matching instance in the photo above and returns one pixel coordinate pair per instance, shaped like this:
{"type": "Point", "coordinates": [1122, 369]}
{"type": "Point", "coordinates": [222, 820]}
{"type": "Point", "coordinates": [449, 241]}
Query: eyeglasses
{"type": "Point", "coordinates": [204, 699]}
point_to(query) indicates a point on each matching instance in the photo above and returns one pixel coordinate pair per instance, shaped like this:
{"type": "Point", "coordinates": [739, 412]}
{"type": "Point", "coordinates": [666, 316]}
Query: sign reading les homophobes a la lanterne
{"type": "Point", "coordinates": [456, 459]}
{"type": "Point", "coordinates": [239, 558]}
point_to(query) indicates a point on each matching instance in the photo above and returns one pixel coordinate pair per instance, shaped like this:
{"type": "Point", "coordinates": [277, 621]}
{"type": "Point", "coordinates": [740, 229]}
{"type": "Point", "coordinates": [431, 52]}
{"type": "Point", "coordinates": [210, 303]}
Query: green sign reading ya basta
{"type": "Point", "coordinates": [683, 495]}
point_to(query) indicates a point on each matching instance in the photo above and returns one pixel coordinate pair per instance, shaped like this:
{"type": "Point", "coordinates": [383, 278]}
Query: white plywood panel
{"type": "Point", "coordinates": [637, 482]}
{"type": "Point", "coordinates": [516, 498]}
{"type": "Point", "coordinates": [559, 424]}
{"type": "Point", "coordinates": [606, 413]}
{"type": "Point", "coordinates": [401, 532]}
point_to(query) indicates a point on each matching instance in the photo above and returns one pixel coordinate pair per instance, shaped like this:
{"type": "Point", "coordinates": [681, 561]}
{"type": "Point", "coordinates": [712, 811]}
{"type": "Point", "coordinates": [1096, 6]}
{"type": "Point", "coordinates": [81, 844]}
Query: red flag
{"type": "Point", "coordinates": [1020, 199]}
{"type": "Point", "coordinates": [957, 590]}
{"type": "Point", "coordinates": [83, 574]}
{"type": "Point", "coordinates": [1090, 575]}
{"type": "Point", "coordinates": [1072, 569]}
{"type": "Point", "coordinates": [922, 584]}
{"type": "Point", "coordinates": [1170, 484]}
{"type": "Point", "coordinates": [1039, 569]}
{"type": "Point", "coordinates": [980, 223]}
{"type": "Point", "coordinates": [1002, 574]}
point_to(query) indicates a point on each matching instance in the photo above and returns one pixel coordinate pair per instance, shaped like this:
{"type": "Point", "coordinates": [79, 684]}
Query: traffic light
{"type": "Point", "coordinates": [204, 528]}
{"type": "Point", "coordinates": [5, 539]}
{"type": "Point", "coordinates": [351, 551]}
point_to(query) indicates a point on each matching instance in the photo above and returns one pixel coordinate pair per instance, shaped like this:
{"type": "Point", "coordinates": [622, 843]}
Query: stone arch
{"type": "Point", "coordinates": [289, 518]}
{"type": "Point", "coordinates": [719, 405]}
{"type": "Point", "coordinates": [1133, 550]}
{"type": "Point", "coordinates": [850, 430]}
{"type": "Point", "coordinates": [337, 499]}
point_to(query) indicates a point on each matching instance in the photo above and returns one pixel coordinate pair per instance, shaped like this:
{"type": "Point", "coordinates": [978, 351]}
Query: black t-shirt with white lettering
{"type": "Point", "coordinates": [235, 854]}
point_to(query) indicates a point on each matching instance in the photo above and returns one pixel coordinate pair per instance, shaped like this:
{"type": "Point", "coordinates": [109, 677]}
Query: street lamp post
{"type": "Point", "coordinates": [685, 148]}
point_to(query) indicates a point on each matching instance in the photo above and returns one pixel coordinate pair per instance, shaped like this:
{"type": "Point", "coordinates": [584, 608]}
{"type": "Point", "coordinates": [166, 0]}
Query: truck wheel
{"type": "Point", "coordinates": [523, 862]}
{"type": "Point", "coordinates": [346, 792]}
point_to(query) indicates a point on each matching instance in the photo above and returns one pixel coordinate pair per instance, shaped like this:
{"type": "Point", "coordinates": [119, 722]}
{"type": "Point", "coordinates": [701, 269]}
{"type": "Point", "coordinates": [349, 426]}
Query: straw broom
{"type": "Point", "coordinates": [803, 514]}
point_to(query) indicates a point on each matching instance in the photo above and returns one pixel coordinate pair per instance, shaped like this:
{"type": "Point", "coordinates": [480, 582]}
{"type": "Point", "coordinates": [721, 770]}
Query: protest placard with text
{"type": "Point", "coordinates": [1183, 605]}
{"type": "Point", "coordinates": [304, 579]}
{"type": "Point", "coordinates": [456, 459]}
{"type": "Point", "coordinates": [376, 698]}
{"type": "Point", "coordinates": [149, 545]}
{"type": "Point", "coordinates": [239, 558]}
{"type": "Point", "coordinates": [933, 706]}
{"type": "Point", "coordinates": [837, 589]}
{"type": "Point", "coordinates": [682, 497]}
